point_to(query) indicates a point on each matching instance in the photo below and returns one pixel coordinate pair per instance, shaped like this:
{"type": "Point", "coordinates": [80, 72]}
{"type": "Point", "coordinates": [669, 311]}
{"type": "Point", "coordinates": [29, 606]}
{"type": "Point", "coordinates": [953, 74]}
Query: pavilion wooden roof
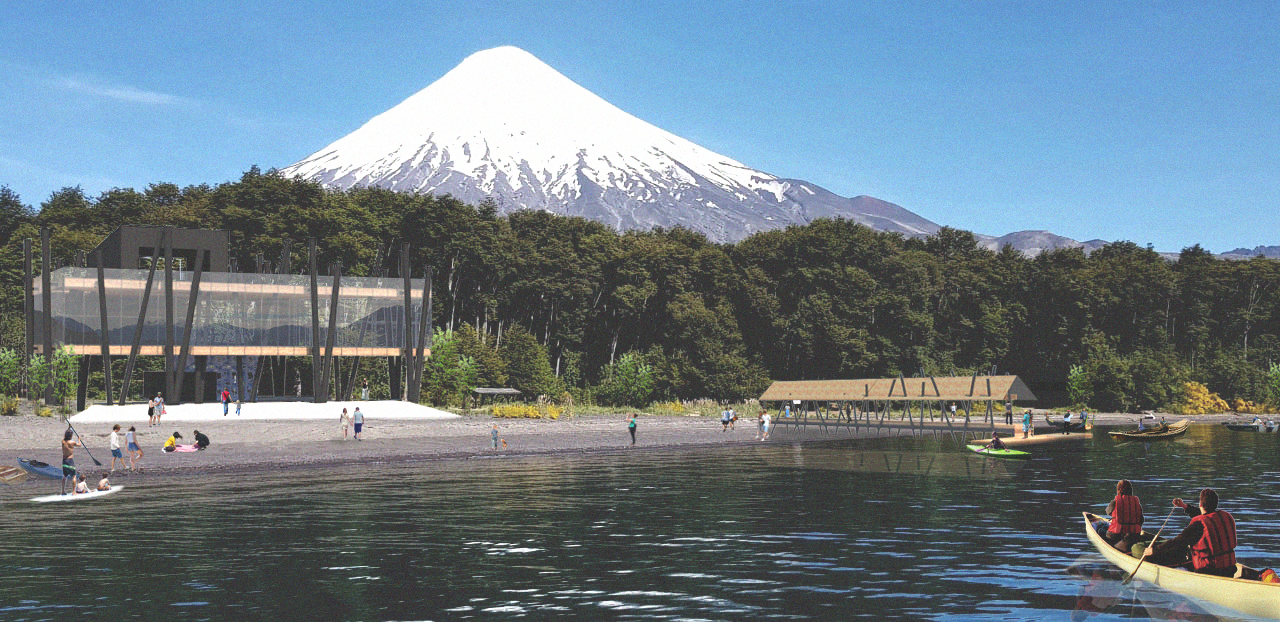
{"type": "Point", "coordinates": [945, 388]}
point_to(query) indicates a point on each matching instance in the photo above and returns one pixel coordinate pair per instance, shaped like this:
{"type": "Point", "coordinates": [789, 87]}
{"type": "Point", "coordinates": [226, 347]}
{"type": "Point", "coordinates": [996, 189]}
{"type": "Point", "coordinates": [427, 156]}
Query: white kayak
{"type": "Point", "coordinates": [84, 496]}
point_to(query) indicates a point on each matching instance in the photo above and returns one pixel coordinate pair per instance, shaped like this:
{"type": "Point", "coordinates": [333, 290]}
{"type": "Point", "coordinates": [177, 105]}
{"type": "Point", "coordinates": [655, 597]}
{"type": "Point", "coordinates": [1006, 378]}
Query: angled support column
{"type": "Point", "coordinates": [104, 327]}
{"type": "Point", "coordinates": [192, 299]}
{"type": "Point", "coordinates": [142, 320]}
{"type": "Point", "coordinates": [364, 327]}
{"type": "Point", "coordinates": [315, 321]}
{"type": "Point", "coordinates": [171, 393]}
{"type": "Point", "coordinates": [332, 333]}
{"type": "Point", "coordinates": [46, 304]}
{"type": "Point", "coordinates": [406, 351]}
{"type": "Point", "coordinates": [424, 330]}
{"type": "Point", "coordinates": [28, 303]}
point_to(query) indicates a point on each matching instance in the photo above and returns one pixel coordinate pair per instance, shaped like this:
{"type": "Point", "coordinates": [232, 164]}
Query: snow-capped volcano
{"type": "Point", "coordinates": [504, 125]}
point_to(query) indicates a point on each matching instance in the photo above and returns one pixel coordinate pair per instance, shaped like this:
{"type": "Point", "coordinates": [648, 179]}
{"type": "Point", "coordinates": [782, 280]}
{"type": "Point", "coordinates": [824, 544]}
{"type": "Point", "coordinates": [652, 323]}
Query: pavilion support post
{"type": "Point", "coordinates": [142, 321]}
{"type": "Point", "coordinates": [331, 334]}
{"type": "Point", "coordinates": [104, 326]}
{"type": "Point", "coordinates": [188, 328]}
{"type": "Point", "coordinates": [315, 321]}
{"type": "Point", "coordinates": [46, 304]}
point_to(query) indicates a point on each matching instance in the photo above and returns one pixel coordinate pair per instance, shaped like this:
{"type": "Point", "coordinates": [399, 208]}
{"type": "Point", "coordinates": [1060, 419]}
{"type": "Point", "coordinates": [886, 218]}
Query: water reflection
{"type": "Point", "coordinates": [891, 529]}
{"type": "Point", "coordinates": [1102, 592]}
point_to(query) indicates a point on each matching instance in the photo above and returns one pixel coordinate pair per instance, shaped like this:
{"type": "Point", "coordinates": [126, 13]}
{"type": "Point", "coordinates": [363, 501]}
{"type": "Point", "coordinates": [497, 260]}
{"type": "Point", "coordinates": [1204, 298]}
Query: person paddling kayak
{"type": "Point", "coordinates": [996, 443]}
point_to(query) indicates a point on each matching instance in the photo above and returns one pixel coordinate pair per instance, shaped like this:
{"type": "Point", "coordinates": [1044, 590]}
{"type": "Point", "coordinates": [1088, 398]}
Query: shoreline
{"type": "Point", "coordinates": [255, 444]}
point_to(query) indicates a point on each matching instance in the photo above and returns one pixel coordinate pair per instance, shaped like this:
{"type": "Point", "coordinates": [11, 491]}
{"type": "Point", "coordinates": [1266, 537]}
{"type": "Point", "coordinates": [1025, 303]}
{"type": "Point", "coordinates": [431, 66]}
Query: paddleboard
{"type": "Point", "coordinates": [39, 468]}
{"type": "Point", "coordinates": [998, 453]}
{"type": "Point", "coordinates": [92, 494]}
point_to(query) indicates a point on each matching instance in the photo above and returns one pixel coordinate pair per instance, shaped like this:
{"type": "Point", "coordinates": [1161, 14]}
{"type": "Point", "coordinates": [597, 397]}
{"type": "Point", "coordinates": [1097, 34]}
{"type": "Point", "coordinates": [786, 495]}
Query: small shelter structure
{"type": "Point", "coordinates": [492, 394]}
{"type": "Point", "coordinates": [870, 401]}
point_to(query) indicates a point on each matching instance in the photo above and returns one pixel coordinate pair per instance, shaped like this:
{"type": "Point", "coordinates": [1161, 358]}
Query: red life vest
{"type": "Point", "coordinates": [1127, 517]}
{"type": "Point", "coordinates": [1216, 548]}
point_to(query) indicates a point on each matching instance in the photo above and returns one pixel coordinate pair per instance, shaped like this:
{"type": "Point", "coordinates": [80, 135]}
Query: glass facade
{"type": "Point", "coordinates": [236, 313]}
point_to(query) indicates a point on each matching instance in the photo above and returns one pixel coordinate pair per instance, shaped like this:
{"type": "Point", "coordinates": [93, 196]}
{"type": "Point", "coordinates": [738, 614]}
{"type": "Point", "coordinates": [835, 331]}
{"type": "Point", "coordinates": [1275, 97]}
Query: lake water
{"type": "Point", "coordinates": [882, 529]}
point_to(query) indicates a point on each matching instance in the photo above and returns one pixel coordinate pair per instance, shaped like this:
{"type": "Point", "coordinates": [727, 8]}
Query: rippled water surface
{"type": "Point", "coordinates": [883, 529]}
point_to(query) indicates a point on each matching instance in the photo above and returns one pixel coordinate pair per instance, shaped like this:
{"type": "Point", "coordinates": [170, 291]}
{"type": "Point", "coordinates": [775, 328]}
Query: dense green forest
{"type": "Point", "coordinates": [667, 314]}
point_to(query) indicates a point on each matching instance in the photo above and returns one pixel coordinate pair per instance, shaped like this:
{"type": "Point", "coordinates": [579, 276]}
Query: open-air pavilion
{"type": "Point", "coordinates": [873, 402]}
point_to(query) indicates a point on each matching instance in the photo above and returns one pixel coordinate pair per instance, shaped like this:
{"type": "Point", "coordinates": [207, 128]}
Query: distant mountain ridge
{"type": "Point", "coordinates": [504, 126]}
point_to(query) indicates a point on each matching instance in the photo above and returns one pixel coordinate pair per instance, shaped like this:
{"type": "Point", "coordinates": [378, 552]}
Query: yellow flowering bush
{"type": "Point", "coordinates": [1198, 400]}
{"type": "Point", "coordinates": [1248, 407]}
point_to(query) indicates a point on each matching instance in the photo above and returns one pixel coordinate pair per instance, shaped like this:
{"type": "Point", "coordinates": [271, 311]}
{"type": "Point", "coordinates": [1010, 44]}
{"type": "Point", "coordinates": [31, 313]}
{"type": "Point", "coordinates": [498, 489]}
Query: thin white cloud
{"type": "Point", "coordinates": [121, 93]}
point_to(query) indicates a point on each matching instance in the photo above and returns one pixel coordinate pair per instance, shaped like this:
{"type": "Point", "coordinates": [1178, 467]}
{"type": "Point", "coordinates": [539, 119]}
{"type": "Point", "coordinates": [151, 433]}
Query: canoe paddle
{"type": "Point", "coordinates": [86, 448]}
{"type": "Point", "coordinates": [1144, 552]}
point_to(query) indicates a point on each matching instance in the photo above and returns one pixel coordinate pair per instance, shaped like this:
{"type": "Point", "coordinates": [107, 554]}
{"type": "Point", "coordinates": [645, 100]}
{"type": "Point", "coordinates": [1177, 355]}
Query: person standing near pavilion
{"type": "Point", "coordinates": [357, 422]}
{"type": "Point", "coordinates": [226, 401]}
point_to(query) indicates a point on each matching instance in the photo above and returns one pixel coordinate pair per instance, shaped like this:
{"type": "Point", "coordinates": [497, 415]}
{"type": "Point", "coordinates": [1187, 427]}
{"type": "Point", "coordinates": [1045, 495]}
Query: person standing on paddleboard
{"type": "Point", "coordinates": [68, 458]}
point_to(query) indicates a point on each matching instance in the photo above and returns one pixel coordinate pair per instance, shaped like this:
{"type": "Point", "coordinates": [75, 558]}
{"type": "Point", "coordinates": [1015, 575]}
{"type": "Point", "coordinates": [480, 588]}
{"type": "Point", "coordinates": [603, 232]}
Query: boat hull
{"type": "Point", "coordinates": [1251, 597]}
{"type": "Point", "coordinates": [998, 453]}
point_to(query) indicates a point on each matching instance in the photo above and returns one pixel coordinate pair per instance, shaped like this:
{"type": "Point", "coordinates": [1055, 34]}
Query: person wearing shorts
{"type": "Point", "coordinates": [151, 412]}
{"type": "Point", "coordinates": [357, 422]}
{"type": "Point", "coordinates": [114, 444]}
{"type": "Point", "coordinates": [135, 451]}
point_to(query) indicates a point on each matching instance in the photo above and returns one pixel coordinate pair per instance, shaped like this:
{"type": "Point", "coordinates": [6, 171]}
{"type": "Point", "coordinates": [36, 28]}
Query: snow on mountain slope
{"type": "Point", "coordinates": [506, 126]}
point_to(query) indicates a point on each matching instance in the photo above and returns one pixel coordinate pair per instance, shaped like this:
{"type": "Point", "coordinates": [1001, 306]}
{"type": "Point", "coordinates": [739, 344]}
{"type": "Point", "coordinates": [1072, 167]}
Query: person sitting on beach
{"type": "Point", "coordinates": [1210, 539]}
{"type": "Point", "coordinates": [996, 443]}
{"type": "Point", "coordinates": [104, 483]}
{"type": "Point", "coordinates": [1126, 517]}
{"type": "Point", "coordinates": [81, 487]}
{"type": "Point", "coordinates": [202, 441]}
{"type": "Point", "coordinates": [172, 443]}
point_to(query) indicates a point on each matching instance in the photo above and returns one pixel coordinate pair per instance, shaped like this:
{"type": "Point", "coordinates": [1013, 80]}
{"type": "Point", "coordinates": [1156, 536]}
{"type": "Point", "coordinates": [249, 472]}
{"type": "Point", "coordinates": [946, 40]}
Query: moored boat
{"type": "Point", "coordinates": [1246, 596]}
{"type": "Point", "coordinates": [1174, 429]}
{"type": "Point", "coordinates": [1076, 426]}
{"type": "Point", "coordinates": [36, 467]}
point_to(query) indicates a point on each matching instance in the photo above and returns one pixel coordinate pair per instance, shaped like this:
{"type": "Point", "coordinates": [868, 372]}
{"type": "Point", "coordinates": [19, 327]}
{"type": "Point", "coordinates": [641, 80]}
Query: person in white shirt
{"type": "Point", "coordinates": [113, 442]}
{"type": "Point", "coordinates": [767, 429]}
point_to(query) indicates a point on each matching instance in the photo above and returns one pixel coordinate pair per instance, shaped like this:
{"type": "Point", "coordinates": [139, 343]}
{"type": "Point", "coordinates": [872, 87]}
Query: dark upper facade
{"type": "Point", "coordinates": [132, 247]}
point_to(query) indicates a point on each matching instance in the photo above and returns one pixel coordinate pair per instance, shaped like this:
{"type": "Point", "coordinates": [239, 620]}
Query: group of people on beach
{"type": "Point", "coordinates": [1207, 545]}
{"type": "Point", "coordinates": [69, 473]}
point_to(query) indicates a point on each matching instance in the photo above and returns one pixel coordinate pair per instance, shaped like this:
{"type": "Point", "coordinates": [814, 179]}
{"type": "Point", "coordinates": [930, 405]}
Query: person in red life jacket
{"type": "Point", "coordinates": [1210, 539]}
{"type": "Point", "coordinates": [1126, 517]}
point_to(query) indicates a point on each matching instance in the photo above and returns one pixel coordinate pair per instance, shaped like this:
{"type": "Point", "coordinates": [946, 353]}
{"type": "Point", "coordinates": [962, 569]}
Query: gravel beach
{"type": "Point", "coordinates": [257, 444]}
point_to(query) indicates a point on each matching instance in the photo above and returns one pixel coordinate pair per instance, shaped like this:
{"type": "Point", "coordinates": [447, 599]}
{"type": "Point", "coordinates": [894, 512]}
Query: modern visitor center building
{"type": "Point", "coordinates": [177, 294]}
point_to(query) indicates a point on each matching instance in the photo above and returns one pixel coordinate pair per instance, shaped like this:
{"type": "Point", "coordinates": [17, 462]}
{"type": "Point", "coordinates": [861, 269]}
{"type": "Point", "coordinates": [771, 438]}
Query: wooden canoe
{"type": "Point", "coordinates": [1250, 597]}
{"type": "Point", "coordinates": [1076, 426]}
{"type": "Point", "coordinates": [1175, 429]}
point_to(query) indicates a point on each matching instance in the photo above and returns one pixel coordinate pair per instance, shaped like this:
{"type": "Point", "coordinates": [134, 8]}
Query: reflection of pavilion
{"type": "Point", "coordinates": [209, 316]}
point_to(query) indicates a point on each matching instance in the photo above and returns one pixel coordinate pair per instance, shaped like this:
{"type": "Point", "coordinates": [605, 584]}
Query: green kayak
{"type": "Point", "coordinates": [998, 453]}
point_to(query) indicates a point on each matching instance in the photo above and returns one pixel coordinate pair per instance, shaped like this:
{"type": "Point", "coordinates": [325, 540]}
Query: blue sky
{"type": "Point", "coordinates": [1156, 122]}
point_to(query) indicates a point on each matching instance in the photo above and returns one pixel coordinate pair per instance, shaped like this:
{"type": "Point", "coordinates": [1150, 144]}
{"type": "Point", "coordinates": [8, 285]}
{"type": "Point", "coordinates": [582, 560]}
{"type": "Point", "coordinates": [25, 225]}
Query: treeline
{"type": "Point", "coordinates": [832, 299]}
